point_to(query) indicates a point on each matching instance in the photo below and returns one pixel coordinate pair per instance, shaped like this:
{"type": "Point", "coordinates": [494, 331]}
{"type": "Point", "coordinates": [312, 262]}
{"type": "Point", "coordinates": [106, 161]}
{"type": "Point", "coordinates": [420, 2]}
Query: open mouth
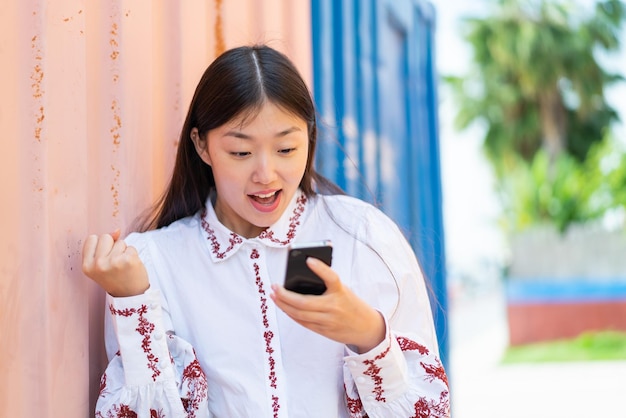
{"type": "Point", "coordinates": [266, 201]}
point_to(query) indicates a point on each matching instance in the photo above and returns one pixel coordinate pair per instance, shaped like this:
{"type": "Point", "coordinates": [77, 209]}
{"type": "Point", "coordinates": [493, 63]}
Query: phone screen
{"type": "Point", "coordinates": [299, 277]}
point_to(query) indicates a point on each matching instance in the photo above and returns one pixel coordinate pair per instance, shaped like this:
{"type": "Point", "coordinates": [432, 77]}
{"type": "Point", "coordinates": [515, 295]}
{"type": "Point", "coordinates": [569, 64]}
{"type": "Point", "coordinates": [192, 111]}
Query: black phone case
{"type": "Point", "coordinates": [299, 277]}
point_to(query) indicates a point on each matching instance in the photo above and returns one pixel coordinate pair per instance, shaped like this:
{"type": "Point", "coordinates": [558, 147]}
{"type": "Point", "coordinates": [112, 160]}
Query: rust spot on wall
{"type": "Point", "coordinates": [113, 42]}
{"type": "Point", "coordinates": [37, 187]}
{"type": "Point", "coordinates": [37, 74]}
{"type": "Point", "coordinates": [37, 77]}
{"type": "Point", "coordinates": [39, 121]}
{"type": "Point", "coordinates": [41, 116]}
{"type": "Point", "coordinates": [117, 125]}
{"type": "Point", "coordinates": [219, 29]}
{"type": "Point", "coordinates": [115, 191]}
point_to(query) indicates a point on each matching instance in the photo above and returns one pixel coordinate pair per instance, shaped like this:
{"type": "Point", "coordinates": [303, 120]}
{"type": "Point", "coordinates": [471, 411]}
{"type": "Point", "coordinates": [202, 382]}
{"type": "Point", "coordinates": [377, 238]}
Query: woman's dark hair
{"type": "Point", "coordinates": [236, 84]}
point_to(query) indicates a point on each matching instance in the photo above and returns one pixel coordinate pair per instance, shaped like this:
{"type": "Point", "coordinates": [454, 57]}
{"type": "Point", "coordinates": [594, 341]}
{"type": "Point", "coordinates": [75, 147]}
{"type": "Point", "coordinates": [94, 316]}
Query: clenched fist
{"type": "Point", "coordinates": [116, 267]}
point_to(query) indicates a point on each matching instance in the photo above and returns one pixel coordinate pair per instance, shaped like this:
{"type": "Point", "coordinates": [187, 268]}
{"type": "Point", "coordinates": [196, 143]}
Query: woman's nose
{"type": "Point", "coordinates": [265, 170]}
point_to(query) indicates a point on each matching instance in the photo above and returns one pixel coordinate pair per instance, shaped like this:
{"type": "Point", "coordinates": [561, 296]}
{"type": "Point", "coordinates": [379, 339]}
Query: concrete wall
{"type": "Point", "coordinates": [582, 252]}
{"type": "Point", "coordinates": [92, 98]}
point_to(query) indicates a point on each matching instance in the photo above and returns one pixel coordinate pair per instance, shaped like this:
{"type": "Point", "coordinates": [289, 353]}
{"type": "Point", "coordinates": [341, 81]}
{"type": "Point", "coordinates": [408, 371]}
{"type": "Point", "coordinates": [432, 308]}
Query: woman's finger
{"type": "Point", "coordinates": [104, 246]}
{"type": "Point", "coordinates": [323, 271]}
{"type": "Point", "coordinates": [297, 300]}
{"type": "Point", "coordinates": [306, 318]}
{"type": "Point", "coordinates": [119, 247]}
{"type": "Point", "coordinates": [89, 251]}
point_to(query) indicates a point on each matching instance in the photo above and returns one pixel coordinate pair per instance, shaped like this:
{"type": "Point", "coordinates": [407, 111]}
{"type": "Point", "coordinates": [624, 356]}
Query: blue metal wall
{"type": "Point", "coordinates": [375, 88]}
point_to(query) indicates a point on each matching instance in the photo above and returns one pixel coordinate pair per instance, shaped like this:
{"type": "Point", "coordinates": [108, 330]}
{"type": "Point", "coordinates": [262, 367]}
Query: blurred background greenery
{"type": "Point", "coordinates": [537, 85]}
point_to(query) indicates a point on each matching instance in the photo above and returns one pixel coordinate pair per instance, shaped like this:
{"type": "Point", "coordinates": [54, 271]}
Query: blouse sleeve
{"type": "Point", "coordinates": [152, 372]}
{"type": "Point", "coordinates": [403, 376]}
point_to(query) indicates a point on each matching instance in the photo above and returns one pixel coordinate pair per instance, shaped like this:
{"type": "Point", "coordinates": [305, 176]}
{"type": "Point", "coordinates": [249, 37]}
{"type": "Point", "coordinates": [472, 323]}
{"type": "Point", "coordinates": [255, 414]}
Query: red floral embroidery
{"type": "Point", "coordinates": [409, 345]}
{"type": "Point", "coordinates": [122, 411]}
{"type": "Point", "coordinates": [435, 372]}
{"type": "Point", "coordinates": [157, 414]}
{"type": "Point", "coordinates": [294, 221]}
{"type": "Point", "coordinates": [275, 405]}
{"type": "Point", "coordinates": [429, 408]}
{"type": "Point", "coordinates": [374, 372]}
{"type": "Point", "coordinates": [355, 406]}
{"type": "Point", "coordinates": [268, 334]}
{"type": "Point", "coordinates": [144, 328]}
{"type": "Point", "coordinates": [103, 385]}
{"type": "Point", "coordinates": [197, 388]}
{"type": "Point", "coordinates": [215, 245]}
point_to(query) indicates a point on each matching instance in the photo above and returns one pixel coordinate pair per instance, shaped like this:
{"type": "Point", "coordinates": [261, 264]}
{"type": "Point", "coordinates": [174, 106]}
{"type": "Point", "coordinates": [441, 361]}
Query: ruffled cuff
{"type": "Point", "coordinates": [138, 323]}
{"type": "Point", "coordinates": [380, 374]}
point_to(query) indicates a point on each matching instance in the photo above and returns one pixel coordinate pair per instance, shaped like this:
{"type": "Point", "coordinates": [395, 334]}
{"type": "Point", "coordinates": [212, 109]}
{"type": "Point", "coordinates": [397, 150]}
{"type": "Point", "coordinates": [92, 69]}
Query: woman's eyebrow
{"type": "Point", "coordinates": [288, 131]}
{"type": "Point", "coordinates": [241, 135]}
{"type": "Point", "coordinates": [237, 134]}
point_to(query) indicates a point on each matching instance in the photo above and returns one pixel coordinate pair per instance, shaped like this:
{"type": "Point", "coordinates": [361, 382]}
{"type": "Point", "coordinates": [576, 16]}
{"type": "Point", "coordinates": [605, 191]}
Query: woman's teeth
{"type": "Point", "coordinates": [265, 198]}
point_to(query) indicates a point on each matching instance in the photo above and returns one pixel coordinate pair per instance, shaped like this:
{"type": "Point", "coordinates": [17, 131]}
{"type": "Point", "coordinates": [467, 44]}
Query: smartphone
{"type": "Point", "coordinates": [299, 277]}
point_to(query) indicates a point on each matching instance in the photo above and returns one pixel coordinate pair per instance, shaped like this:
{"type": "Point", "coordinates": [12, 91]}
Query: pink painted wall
{"type": "Point", "coordinates": [92, 97]}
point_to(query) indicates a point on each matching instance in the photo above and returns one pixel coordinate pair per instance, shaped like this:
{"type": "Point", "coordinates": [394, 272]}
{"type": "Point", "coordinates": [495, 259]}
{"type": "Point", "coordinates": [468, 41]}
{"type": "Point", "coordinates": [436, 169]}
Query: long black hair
{"type": "Point", "coordinates": [236, 84]}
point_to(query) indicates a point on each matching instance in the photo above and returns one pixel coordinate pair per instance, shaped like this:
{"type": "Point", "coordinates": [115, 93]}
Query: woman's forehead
{"type": "Point", "coordinates": [266, 110]}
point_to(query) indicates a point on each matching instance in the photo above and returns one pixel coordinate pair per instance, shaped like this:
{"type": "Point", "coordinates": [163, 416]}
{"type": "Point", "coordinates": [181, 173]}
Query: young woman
{"type": "Point", "coordinates": [198, 322]}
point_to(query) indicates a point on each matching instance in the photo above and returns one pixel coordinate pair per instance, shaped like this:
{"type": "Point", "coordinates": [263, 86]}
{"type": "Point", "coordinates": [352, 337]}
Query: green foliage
{"type": "Point", "coordinates": [537, 87]}
{"type": "Point", "coordinates": [567, 191]}
{"type": "Point", "coordinates": [605, 345]}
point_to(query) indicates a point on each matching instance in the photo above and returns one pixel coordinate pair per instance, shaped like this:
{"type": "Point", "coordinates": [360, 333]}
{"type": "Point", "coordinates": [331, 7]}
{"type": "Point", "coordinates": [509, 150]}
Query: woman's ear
{"type": "Point", "coordinates": [202, 147]}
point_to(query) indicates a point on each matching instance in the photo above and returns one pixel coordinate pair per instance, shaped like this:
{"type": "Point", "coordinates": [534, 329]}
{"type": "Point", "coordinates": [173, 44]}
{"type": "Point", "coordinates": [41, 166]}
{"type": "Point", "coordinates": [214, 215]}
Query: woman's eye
{"type": "Point", "coordinates": [240, 154]}
{"type": "Point", "coordinates": [286, 150]}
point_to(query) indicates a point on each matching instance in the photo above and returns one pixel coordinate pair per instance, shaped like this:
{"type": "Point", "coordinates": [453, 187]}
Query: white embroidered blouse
{"type": "Point", "coordinates": [207, 341]}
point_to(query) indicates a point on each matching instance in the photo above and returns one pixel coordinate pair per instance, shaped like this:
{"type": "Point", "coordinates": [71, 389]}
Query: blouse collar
{"type": "Point", "coordinates": [223, 242]}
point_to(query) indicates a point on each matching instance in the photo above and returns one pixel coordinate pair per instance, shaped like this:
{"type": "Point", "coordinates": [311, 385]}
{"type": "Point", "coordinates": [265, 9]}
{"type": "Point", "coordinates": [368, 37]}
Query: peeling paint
{"type": "Point", "coordinates": [113, 42]}
{"type": "Point", "coordinates": [39, 123]}
{"type": "Point", "coordinates": [115, 191]}
{"type": "Point", "coordinates": [115, 130]}
{"type": "Point", "coordinates": [116, 127]}
{"type": "Point", "coordinates": [37, 78]}
{"type": "Point", "coordinates": [220, 45]}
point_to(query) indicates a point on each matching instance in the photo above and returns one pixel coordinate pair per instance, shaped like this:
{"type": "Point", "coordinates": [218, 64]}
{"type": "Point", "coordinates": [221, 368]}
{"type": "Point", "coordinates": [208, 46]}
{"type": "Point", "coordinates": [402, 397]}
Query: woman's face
{"type": "Point", "coordinates": [257, 166]}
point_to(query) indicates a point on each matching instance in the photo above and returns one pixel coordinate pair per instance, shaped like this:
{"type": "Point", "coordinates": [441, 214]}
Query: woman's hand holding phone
{"type": "Point", "coordinates": [337, 314]}
{"type": "Point", "coordinates": [116, 267]}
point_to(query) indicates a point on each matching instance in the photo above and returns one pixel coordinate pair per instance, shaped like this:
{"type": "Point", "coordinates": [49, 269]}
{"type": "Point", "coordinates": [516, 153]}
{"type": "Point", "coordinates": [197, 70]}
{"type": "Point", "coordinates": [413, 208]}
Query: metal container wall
{"type": "Point", "coordinates": [93, 95]}
{"type": "Point", "coordinates": [375, 87]}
